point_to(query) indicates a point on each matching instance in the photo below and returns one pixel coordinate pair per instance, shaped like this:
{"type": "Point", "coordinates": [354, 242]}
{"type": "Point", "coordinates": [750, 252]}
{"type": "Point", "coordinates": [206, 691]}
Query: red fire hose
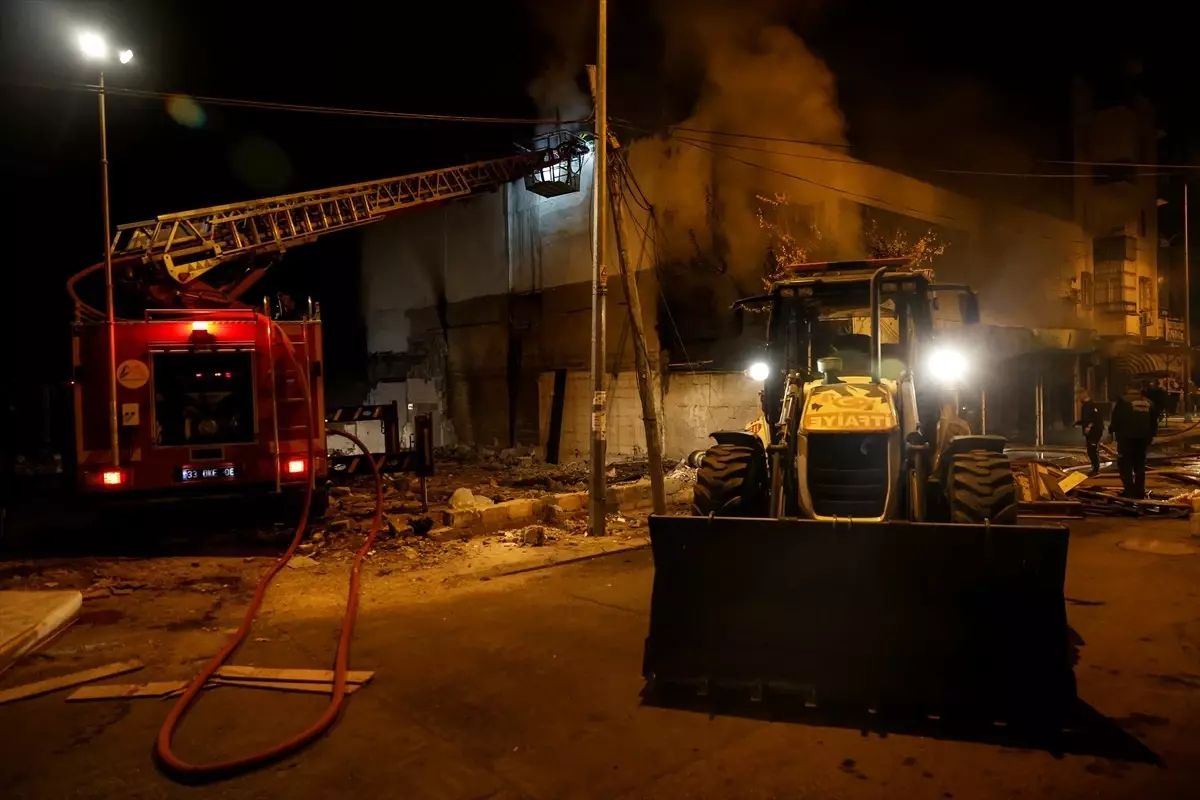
{"type": "Point", "coordinates": [197, 773]}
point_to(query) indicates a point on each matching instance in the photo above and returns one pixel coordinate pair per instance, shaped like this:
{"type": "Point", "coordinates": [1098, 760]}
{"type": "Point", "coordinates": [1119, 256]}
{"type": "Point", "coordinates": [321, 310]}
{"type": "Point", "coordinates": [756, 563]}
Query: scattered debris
{"type": "Point", "coordinates": [1049, 491]}
{"type": "Point", "coordinates": [243, 673]}
{"type": "Point", "coordinates": [115, 691]}
{"type": "Point", "coordinates": [532, 536]}
{"type": "Point", "coordinates": [285, 686]}
{"type": "Point", "coordinates": [1157, 546]}
{"type": "Point", "coordinates": [48, 685]}
{"type": "Point", "coordinates": [302, 562]}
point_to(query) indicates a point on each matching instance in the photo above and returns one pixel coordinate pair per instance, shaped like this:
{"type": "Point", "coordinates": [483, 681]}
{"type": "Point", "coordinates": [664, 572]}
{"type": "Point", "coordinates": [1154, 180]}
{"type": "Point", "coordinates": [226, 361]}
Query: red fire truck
{"type": "Point", "coordinates": [213, 395]}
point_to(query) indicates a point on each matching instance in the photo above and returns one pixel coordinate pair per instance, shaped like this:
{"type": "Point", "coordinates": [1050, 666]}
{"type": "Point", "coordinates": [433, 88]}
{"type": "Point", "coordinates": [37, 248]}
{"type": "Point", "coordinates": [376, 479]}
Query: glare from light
{"type": "Point", "coordinates": [759, 371]}
{"type": "Point", "coordinates": [947, 365]}
{"type": "Point", "coordinates": [295, 466]}
{"type": "Point", "coordinates": [93, 46]}
{"type": "Point", "coordinates": [125, 56]}
{"type": "Point", "coordinates": [200, 325]}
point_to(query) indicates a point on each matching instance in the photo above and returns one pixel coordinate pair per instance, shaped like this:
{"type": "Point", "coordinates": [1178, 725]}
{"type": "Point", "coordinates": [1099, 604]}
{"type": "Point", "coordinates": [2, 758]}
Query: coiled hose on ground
{"type": "Point", "coordinates": [187, 772]}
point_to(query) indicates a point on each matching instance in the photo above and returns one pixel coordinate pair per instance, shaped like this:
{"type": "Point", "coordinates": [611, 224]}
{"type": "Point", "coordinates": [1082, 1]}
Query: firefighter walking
{"type": "Point", "coordinates": [1092, 423]}
{"type": "Point", "coordinates": [1134, 424]}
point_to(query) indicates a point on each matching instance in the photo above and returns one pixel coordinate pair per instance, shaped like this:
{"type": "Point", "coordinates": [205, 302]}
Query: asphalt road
{"type": "Point", "coordinates": [528, 686]}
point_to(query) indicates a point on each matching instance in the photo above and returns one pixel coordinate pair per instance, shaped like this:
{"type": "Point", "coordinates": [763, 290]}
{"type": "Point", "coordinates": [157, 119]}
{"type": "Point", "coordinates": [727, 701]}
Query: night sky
{"type": "Point", "coordinates": [902, 76]}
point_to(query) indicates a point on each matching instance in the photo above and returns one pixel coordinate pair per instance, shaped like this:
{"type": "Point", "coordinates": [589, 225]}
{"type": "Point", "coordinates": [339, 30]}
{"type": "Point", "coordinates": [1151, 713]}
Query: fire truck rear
{"type": "Point", "coordinates": [208, 401]}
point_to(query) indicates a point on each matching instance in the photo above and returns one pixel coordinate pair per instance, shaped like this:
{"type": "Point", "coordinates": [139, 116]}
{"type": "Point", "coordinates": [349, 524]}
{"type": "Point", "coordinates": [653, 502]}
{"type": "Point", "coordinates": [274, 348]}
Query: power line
{"type": "Point", "coordinates": [1124, 164]}
{"type": "Point", "coordinates": [670, 129]}
{"type": "Point", "coordinates": [760, 137]}
{"type": "Point", "coordinates": [784, 173]}
{"type": "Point", "coordinates": [295, 107]}
{"type": "Point", "coordinates": [834, 159]}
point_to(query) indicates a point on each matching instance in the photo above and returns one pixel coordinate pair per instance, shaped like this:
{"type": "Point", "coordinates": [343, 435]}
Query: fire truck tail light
{"type": "Point", "coordinates": [112, 477]}
{"type": "Point", "coordinates": [200, 326]}
{"type": "Point", "coordinates": [295, 466]}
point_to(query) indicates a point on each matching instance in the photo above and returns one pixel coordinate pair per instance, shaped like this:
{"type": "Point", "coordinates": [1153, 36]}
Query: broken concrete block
{"type": "Point", "coordinates": [553, 514]}
{"type": "Point", "coordinates": [301, 562]}
{"type": "Point", "coordinates": [572, 501]}
{"type": "Point", "coordinates": [339, 525]}
{"type": "Point", "coordinates": [521, 510]}
{"type": "Point", "coordinates": [398, 527]}
{"type": "Point", "coordinates": [481, 501]}
{"type": "Point", "coordinates": [462, 498]}
{"type": "Point", "coordinates": [339, 491]}
{"type": "Point", "coordinates": [534, 536]}
{"type": "Point", "coordinates": [494, 517]}
{"type": "Point", "coordinates": [462, 518]}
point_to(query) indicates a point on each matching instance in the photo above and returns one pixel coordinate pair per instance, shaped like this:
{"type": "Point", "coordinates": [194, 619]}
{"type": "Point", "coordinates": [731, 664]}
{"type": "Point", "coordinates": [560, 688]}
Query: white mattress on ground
{"type": "Point", "coordinates": [28, 619]}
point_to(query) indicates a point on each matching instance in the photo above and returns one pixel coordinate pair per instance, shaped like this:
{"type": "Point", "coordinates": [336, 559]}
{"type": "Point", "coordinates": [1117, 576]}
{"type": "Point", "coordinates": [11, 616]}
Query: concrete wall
{"type": "Point", "coordinates": [691, 406]}
{"type": "Point", "coordinates": [489, 292]}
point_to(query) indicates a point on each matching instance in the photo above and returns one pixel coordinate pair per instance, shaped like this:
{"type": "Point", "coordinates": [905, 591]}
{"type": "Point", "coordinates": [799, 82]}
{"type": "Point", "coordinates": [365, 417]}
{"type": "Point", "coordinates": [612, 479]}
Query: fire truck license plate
{"type": "Point", "coordinates": [188, 474]}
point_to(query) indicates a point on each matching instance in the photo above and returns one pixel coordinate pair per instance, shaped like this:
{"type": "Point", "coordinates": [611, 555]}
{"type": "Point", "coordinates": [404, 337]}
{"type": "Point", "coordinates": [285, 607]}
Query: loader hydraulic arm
{"type": "Point", "coordinates": [782, 451]}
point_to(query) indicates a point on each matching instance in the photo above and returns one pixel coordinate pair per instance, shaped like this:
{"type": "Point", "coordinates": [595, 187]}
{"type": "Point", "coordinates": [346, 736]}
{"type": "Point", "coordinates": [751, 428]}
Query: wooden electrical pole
{"type": "Point", "coordinates": [1187, 313]}
{"type": "Point", "coordinates": [599, 444]}
{"type": "Point", "coordinates": [641, 356]}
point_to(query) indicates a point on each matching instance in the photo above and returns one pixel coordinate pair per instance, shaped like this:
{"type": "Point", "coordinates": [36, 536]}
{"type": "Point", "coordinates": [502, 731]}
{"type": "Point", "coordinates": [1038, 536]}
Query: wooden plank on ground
{"type": "Point", "coordinates": [287, 686]}
{"type": "Point", "coordinates": [117, 691]}
{"type": "Point", "coordinates": [1050, 481]}
{"type": "Point", "coordinates": [1035, 483]}
{"type": "Point", "coordinates": [67, 681]}
{"type": "Point", "coordinates": [1072, 480]}
{"type": "Point", "coordinates": [290, 675]}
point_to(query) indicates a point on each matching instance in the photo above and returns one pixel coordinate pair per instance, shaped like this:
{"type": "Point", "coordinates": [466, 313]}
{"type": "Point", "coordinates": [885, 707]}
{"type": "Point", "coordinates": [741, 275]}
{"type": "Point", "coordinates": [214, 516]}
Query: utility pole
{"type": "Point", "coordinates": [641, 356]}
{"type": "Point", "coordinates": [1187, 313]}
{"type": "Point", "coordinates": [599, 486]}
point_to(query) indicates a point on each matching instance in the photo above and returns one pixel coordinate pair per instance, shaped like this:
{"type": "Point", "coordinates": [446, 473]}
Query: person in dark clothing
{"type": "Point", "coordinates": [1092, 423]}
{"type": "Point", "coordinates": [1134, 424]}
{"type": "Point", "coordinates": [1157, 395]}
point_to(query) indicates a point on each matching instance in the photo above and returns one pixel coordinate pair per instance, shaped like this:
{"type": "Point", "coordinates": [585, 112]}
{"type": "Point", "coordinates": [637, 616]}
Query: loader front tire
{"type": "Point", "coordinates": [980, 488]}
{"type": "Point", "coordinates": [731, 482]}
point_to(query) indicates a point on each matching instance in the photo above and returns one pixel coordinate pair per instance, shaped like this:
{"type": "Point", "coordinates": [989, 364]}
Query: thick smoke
{"type": "Point", "coordinates": [758, 77]}
{"type": "Point", "coordinates": [556, 89]}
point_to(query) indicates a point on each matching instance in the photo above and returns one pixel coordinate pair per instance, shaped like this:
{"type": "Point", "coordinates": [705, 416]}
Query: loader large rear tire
{"type": "Point", "coordinates": [731, 482]}
{"type": "Point", "coordinates": [981, 488]}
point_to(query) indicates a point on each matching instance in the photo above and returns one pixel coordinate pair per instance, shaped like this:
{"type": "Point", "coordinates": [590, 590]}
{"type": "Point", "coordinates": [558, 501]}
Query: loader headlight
{"type": "Point", "coordinates": [947, 365]}
{"type": "Point", "coordinates": [759, 371]}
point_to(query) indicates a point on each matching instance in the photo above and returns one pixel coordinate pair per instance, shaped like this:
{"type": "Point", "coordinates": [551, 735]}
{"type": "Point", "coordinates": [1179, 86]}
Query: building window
{"type": "Point", "coordinates": [1086, 289]}
{"type": "Point", "coordinates": [1146, 295]}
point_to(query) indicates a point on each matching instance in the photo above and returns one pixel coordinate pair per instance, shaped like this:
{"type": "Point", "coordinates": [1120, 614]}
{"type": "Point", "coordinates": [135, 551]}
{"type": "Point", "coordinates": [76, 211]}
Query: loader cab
{"type": "Point", "coordinates": [829, 315]}
{"type": "Point", "coordinates": [814, 318]}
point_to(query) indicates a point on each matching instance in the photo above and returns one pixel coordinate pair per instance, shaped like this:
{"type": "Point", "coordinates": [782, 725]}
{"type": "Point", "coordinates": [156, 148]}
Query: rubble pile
{"type": "Point", "coordinates": [1046, 490]}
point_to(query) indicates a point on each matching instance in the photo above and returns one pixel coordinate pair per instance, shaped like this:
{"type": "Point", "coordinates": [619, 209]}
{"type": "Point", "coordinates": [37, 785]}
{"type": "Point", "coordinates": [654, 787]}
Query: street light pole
{"type": "Point", "coordinates": [113, 420]}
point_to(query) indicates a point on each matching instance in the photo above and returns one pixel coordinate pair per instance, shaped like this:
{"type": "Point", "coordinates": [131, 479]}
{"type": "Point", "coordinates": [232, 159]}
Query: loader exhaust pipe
{"type": "Point", "coordinates": [876, 327]}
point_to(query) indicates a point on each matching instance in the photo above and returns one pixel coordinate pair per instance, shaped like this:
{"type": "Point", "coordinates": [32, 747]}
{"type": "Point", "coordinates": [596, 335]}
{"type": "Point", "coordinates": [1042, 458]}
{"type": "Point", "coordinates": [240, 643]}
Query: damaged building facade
{"type": "Point", "coordinates": [478, 311]}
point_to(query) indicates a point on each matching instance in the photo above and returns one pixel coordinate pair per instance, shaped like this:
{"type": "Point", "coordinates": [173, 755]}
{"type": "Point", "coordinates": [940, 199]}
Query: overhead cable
{"type": "Point", "coordinates": [299, 107]}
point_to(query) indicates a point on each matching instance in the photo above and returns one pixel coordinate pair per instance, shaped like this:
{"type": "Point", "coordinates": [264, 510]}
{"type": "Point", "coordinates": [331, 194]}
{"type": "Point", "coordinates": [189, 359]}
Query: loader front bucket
{"type": "Point", "coordinates": [933, 619]}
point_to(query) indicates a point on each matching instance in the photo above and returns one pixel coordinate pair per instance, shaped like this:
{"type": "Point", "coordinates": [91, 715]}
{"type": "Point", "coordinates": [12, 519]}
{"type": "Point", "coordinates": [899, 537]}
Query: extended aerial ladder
{"type": "Point", "coordinates": [203, 391]}
{"type": "Point", "coordinates": [186, 245]}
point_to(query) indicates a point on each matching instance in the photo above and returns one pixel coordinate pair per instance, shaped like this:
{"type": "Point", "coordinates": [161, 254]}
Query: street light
{"type": "Point", "coordinates": [94, 48]}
